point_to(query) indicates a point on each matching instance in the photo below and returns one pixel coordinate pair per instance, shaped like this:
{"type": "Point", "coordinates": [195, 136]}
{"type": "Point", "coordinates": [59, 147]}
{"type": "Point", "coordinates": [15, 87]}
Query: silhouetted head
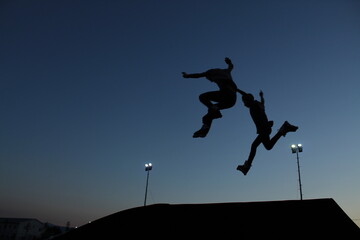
{"type": "Point", "coordinates": [248, 99]}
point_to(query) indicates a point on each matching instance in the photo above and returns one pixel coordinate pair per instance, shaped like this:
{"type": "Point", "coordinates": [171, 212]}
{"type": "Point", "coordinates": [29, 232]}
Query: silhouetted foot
{"type": "Point", "coordinates": [244, 168]}
{"type": "Point", "coordinates": [202, 132]}
{"type": "Point", "coordinates": [287, 127]}
{"type": "Point", "coordinates": [270, 123]}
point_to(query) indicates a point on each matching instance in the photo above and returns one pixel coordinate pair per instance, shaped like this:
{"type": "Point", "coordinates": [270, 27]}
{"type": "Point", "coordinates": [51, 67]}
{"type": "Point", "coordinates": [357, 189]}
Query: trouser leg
{"type": "Point", "coordinates": [253, 149]}
{"type": "Point", "coordinates": [207, 97]}
{"type": "Point", "coordinates": [270, 143]}
{"type": "Point", "coordinates": [222, 102]}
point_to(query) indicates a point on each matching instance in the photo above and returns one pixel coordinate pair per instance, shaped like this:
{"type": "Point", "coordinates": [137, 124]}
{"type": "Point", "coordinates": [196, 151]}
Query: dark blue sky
{"type": "Point", "coordinates": [92, 90]}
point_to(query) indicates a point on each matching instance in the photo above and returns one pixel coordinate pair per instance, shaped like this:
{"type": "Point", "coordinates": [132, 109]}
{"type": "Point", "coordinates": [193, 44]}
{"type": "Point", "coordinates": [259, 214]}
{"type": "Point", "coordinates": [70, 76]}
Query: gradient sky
{"type": "Point", "coordinates": [90, 91]}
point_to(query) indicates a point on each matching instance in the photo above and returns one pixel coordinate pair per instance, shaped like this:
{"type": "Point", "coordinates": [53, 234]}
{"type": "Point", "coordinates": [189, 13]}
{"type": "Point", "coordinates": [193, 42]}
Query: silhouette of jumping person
{"type": "Point", "coordinates": [224, 98]}
{"type": "Point", "coordinates": [263, 128]}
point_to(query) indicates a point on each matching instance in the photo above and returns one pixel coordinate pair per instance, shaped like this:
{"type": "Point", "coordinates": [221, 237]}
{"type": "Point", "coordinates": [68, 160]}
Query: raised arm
{"type": "Point", "coordinates": [261, 94]}
{"type": "Point", "coordinates": [229, 63]}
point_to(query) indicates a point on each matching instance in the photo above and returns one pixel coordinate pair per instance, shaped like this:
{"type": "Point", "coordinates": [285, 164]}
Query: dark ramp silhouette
{"type": "Point", "coordinates": [292, 219]}
{"type": "Point", "coordinates": [224, 98]}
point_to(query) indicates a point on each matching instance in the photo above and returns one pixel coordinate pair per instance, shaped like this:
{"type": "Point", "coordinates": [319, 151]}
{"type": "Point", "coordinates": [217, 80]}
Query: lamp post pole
{"type": "Point", "coordinates": [298, 165]}
{"type": "Point", "coordinates": [148, 167]}
{"type": "Point", "coordinates": [296, 149]}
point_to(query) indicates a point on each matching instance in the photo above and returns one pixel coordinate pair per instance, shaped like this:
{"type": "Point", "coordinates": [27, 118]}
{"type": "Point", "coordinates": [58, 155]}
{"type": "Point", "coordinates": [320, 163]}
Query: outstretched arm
{"type": "Point", "coordinates": [193, 75]}
{"type": "Point", "coordinates": [261, 94]}
{"type": "Point", "coordinates": [229, 63]}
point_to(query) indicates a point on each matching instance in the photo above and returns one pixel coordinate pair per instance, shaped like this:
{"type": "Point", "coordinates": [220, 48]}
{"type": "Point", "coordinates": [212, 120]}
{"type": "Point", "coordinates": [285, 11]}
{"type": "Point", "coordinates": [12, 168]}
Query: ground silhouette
{"type": "Point", "coordinates": [316, 218]}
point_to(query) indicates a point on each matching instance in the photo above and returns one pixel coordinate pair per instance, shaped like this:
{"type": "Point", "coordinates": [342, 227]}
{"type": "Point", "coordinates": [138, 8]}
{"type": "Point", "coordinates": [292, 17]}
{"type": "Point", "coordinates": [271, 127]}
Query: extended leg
{"type": "Point", "coordinates": [270, 143]}
{"type": "Point", "coordinates": [208, 97]}
{"type": "Point", "coordinates": [285, 128]}
{"type": "Point", "coordinates": [213, 112]}
{"type": "Point", "coordinates": [247, 164]}
{"type": "Point", "coordinates": [207, 121]}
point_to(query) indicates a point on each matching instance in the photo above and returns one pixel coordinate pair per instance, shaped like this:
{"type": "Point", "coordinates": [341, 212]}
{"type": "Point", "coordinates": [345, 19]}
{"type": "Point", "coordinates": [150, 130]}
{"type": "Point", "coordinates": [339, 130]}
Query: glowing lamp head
{"type": "Point", "coordinates": [296, 148]}
{"type": "Point", "coordinates": [148, 166]}
{"type": "Point", "coordinates": [300, 147]}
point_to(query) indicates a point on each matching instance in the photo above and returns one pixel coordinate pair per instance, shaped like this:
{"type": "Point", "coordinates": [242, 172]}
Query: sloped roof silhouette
{"type": "Point", "coordinates": [245, 220]}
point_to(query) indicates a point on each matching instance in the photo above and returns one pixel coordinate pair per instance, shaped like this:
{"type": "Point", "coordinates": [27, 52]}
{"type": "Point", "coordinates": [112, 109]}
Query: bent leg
{"type": "Point", "coordinates": [203, 131]}
{"type": "Point", "coordinates": [270, 143]}
{"type": "Point", "coordinates": [285, 128]}
{"type": "Point", "coordinates": [207, 119]}
{"type": "Point", "coordinates": [206, 98]}
{"type": "Point", "coordinates": [247, 164]}
{"type": "Point", "coordinates": [227, 100]}
{"type": "Point", "coordinates": [223, 99]}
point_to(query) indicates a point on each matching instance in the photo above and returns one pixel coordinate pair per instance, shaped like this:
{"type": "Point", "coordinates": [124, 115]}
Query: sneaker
{"type": "Point", "coordinates": [244, 168]}
{"type": "Point", "coordinates": [202, 132]}
{"type": "Point", "coordinates": [287, 127]}
{"type": "Point", "coordinates": [270, 123]}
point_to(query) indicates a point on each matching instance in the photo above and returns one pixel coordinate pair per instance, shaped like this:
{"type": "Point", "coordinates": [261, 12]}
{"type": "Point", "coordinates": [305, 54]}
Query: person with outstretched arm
{"type": "Point", "coordinates": [263, 127]}
{"type": "Point", "coordinates": [215, 100]}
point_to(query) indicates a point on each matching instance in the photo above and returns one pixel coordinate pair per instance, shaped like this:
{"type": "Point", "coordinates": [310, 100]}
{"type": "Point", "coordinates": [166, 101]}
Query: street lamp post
{"type": "Point", "coordinates": [296, 149]}
{"type": "Point", "coordinates": [148, 167]}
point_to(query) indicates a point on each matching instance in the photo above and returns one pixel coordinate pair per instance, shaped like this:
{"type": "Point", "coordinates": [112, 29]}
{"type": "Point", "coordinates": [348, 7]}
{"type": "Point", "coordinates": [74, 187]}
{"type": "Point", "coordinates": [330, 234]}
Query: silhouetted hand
{"type": "Point", "coordinates": [228, 60]}
{"type": "Point", "coordinates": [261, 93]}
{"type": "Point", "coordinates": [185, 75]}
